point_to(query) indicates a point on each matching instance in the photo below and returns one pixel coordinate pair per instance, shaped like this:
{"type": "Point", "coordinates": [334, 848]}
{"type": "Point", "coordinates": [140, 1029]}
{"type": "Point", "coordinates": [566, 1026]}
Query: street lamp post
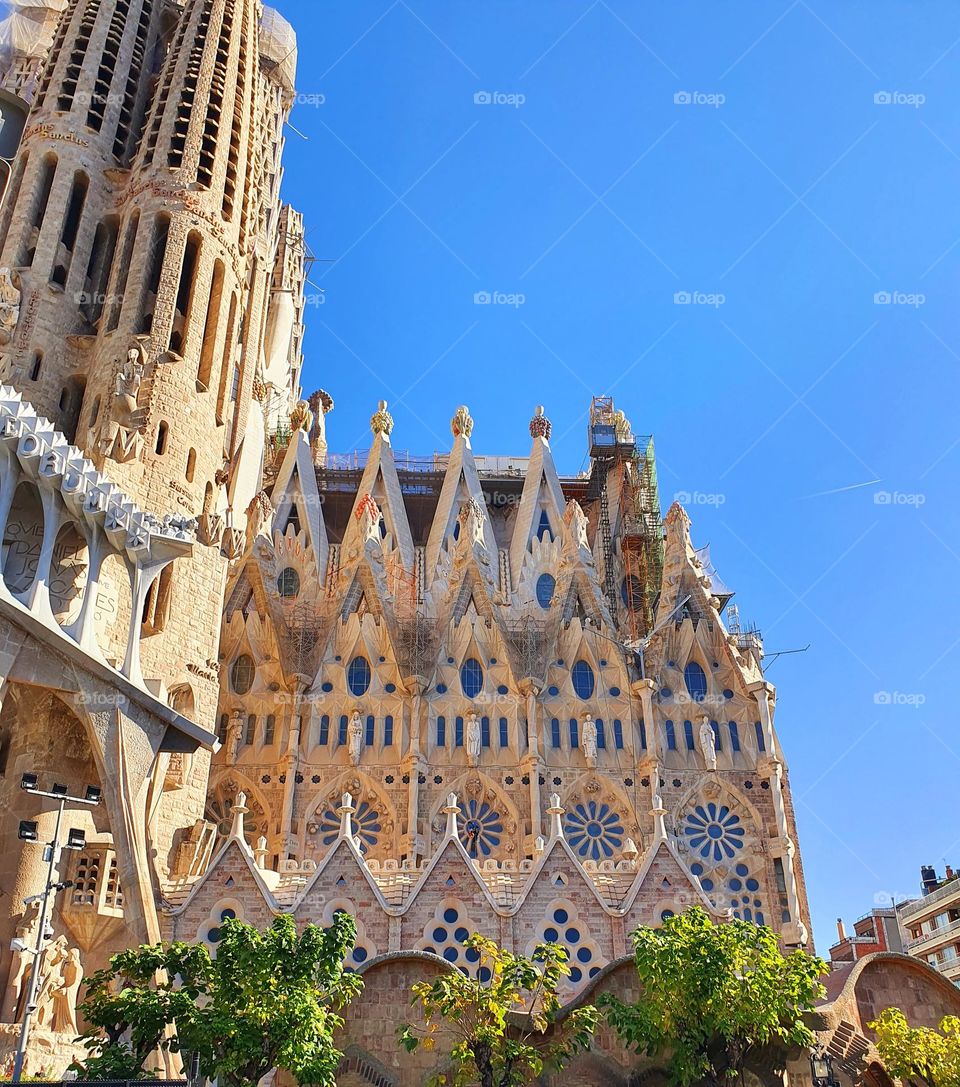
{"type": "Point", "coordinates": [75, 840]}
{"type": "Point", "coordinates": [821, 1068]}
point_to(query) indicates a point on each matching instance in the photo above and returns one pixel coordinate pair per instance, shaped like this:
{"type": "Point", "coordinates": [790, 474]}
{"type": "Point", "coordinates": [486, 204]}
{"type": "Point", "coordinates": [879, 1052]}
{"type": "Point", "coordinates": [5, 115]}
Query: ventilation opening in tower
{"type": "Point", "coordinates": [70, 229]}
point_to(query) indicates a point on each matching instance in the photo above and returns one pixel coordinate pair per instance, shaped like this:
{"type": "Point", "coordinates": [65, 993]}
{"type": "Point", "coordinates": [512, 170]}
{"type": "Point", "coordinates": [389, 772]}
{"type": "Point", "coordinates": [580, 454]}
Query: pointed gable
{"type": "Point", "coordinates": [381, 483]}
{"type": "Point", "coordinates": [296, 487]}
{"type": "Point", "coordinates": [461, 487]}
{"type": "Point", "coordinates": [542, 505]}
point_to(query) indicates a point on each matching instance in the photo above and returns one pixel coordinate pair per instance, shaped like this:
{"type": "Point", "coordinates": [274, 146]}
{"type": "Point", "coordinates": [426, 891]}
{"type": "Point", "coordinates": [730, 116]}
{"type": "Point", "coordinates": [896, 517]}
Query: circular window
{"type": "Point", "coordinates": [288, 583]}
{"type": "Point", "coordinates": [358, 676]}
{"type": "Point", "coordinates": [583, 680]}
{"type": "Point", "coordinates": [546, 587]}
{"type": "Point", "coordinates": [242, 673]}
{"type": "Point", "coordinates": [471, 677]}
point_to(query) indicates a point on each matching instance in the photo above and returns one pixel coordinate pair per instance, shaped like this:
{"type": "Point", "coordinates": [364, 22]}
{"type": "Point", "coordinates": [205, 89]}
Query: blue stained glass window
{"type": "Point", "coordinates": [324, 737]}
{"type": "Point", "coordinates": [671, 736]}
{"type": "Point", "coordinates": [546, 587]}
{"type": "Point", "coordinates": [716, 735]}
{"type": "Point", "coordinates": [450, 915]}
{"type": "Point", "coordinates": [574, 733]}
{"type": "Point", "coordinates": [618, 735]}
{"type": "Point", "coordinates": [504, 732]}
{"type": "Point", "coordinates": [734, 736]}
{"type": "Point", "coordinates": [441, 732]}
{"type": "Point", "coordinates": [388, 732]}
{"type": "Point", "coordinates": [484, 731]}
{"type": "Point", "coordinates": [371, 730]}
{"type": "Point", "coordinates": [601, 734]}
{"type": "Point", "coordinates": [584, 681]}
{"type": "Point", "coordinates": [543, 528]}
{"type": "Point", "coordinates": [761, 746]}
{"type": "Point", "coordinates": [342, 731]}
{"type": "Point", "coordinates": [696, 681]}
{"type": "Point", "coordinates": [358, 676]}
{"type": "Point", "coordinates": [471, 677]}
{"type": "Point", "coordinates": [594, 830]}
{"type": "Point", "coordinates": [554, 733]}
{"type": "Point", "coordinates": [553, 691]}
{"type": "Point", "coordinates": [561, 916]}
{"type": "Point", "coordinates": [688, 735]}
{"type": "Point", "coordinates": [458, 732]}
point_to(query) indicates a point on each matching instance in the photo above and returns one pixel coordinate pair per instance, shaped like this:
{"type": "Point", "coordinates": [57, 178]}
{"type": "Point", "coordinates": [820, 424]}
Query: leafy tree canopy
{"type": "Point", "coordinates": [473, 1015]}
{"type": "Point", "coordinates": [712, 994]}
{"type": "Point", "coordinates": [919, 1052]}
{"type": "Point", "coordinates": [267, 1000]}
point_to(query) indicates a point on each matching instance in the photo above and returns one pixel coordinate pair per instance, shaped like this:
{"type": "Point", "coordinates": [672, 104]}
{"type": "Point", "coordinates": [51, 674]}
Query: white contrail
{"type": "Point", "coordinates": [840, 490]}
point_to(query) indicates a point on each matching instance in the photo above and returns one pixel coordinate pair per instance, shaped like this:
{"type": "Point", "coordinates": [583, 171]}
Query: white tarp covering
{"type": "Point", "coordinates": [278, 48]}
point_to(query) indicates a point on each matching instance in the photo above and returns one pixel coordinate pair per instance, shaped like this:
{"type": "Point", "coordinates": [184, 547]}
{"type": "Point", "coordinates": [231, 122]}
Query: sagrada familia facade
{"type": "Point", "coordinates": [450, 694]}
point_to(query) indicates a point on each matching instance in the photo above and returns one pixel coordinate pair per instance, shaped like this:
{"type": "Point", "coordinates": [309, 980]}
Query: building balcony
{"type": "Point", "coordinates": [941, 896]}
{"type": "Point", "coordinates": [929, 940]}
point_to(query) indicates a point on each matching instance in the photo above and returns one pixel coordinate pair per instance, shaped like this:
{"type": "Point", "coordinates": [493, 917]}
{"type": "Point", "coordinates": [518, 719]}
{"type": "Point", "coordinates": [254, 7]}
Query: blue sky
{"type": "Point", "coordinates": [803, 193]}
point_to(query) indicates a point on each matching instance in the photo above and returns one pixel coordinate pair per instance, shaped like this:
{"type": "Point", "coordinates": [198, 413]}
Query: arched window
{"type": "Point", "coordinates": [546, 587]}
{"type": "Point", "coordinates": [162, 430]}
{"type": "Point", "coordinates": [458, 732]}
{"type": "Point", "coordinates": [631, 592]}
{"type": "Point", "coordinates": [618, 735]}
{"type": "Point", "coordinates": [371, 731]}
{"type": "Point", "coordinates": [242, 673]}
{"type": "Point", "coordinates": [734, 736]}
{"type": "Point", "coordinates": [643, 735]}
{"type": "Point", "coordinates": [288, 583]}
{"type": "Point", "coordinates": [342, 731]}
{"type": "Point", "coordinates": [718, 742]}
{"type": "Point", "coordinates": [583, 680]}
{"type": "Point", "coordinates": [251, 731]}
{"type": "Point", "coordinates": [574, 734]}
{"type": "Point", "coordinates": [555, 733]}
{"type": "Point", "coordinates": [688, 735]}
{"type": "Point", "coordinates": [269, 730]}
{"type": "Point", "coordinates": [484, 731]}
{"type": "Point", "coordinates": [358, 676]}
{"type": "Point", "coordinates": [696, 681]}
{"type": "Point", "coordinates": [388, 732]}
{"type": "Point", "coordinates": [504, 733]}
{"type": "Point", "coordinates": [191, 465]}
{"type": "Point", "coordinates": [441, 732]}
{"type": "Point", "coordinates": [601, 734]}
{"type": "Point", "coordinates": [543, 528]}
{"type": "Point", "coordinates": [323, 737]}
{"type": "Point", "coordinates": [471, 677]}
{"type": "Point", "coordinates": [761, 746]}
{"type": "Point", "coordinates": [671, 734]}
{"type": "Point", "coordinates": [222, 727]}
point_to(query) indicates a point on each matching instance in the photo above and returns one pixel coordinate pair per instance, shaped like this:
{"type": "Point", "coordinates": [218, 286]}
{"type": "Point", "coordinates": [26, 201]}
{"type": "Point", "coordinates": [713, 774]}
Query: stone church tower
{"type": "Point", "coordinates": [149, 277]}
{"type": "Point", "coordinates": [449, 694]}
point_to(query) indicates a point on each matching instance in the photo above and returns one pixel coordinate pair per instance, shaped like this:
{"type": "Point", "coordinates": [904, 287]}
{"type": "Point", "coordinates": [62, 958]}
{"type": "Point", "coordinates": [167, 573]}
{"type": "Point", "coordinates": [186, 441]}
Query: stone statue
{"type": "Point", "coordinates": [51, 981]}
{"type": "Point", "coordinates": [64, 990]}
{"type": "Point", "coordinates": [124, 439]}
{"type": "Point", "coordinates": [576, 521]}
{"type": "Point", "coordinates": [259, 515]}
{"type": "Point", "coordinates": [474, 739]}
{"type": "Point", "coordinates": [355, 738]}
{"type": "Point", "coordinates": [708, 743]}
{"type": "Point", "coordinates": [21, 966]}
{"type": "Point", "coordinates": [588, 739]}
{"type": "Point", "coordinates": [9, 304]}
{"type": "Point", "coordinates": [472, 518]}
{"type": "Point", "coordinates": [462, 423]}
{"type": "Point", "coordinates": [234, 736]}
{"type": "Point", "coordinates": [369, 516]}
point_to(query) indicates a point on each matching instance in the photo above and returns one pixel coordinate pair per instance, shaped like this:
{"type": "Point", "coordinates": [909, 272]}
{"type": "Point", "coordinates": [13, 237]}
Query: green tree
{"type": "Point", "coordinates": [475, 1016]}
{"type": "Point", "coordinates": [919, 1052]}
{"type": "Point", "coordinates": [713, 993]}
{"type": "Point", "coordinates": [267, 1000]}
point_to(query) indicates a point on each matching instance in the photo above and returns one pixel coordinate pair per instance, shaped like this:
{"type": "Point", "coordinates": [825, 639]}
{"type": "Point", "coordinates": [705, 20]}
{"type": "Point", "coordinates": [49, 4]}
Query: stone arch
{"type": "Point", "coordinates": [375, 818]}
{"type": "Point", "coordinates": [69, 570]}
{"type": "Point", "coordinates": [112, 608]}
{"type": "Point", "coordinates": [23, 538]}
{"type": "Point", "coordinates": [593, 801]}
{"type": "Point", "coordinates": [222, 795]}
{"type": "Point", "coordinates": [489, 821]}
{"type": "Point", "coordinates": [181, 699]}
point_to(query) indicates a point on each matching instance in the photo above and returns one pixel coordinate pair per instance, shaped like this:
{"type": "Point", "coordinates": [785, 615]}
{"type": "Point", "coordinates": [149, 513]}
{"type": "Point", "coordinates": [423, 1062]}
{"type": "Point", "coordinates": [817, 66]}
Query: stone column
{"type": "Point", "coordinates": [532, 762]}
